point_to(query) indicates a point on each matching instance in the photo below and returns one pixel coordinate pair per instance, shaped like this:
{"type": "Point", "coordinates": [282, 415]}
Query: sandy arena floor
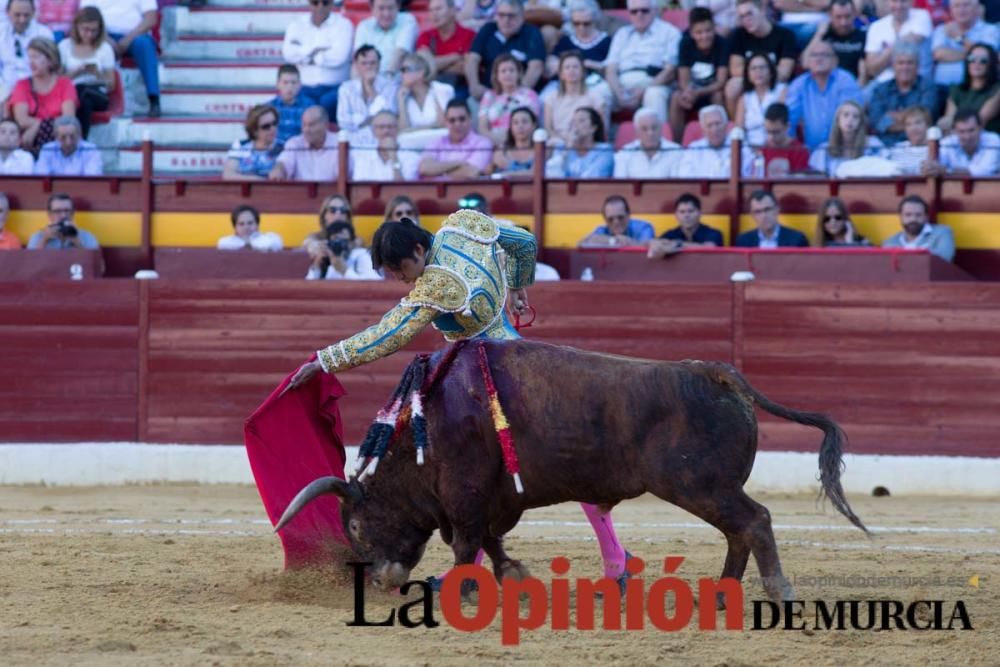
{"type": "Point", "coordinates": [190, 575]}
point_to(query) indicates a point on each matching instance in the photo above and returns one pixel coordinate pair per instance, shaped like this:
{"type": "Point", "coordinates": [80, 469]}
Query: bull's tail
{"type": "Point", "coordinates": [831, 462]}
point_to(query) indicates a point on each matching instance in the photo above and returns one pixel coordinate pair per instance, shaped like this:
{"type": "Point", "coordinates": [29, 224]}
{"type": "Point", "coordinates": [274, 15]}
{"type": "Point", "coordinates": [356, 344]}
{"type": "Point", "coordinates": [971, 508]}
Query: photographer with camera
{"type": "Point", "coordinates": [61, 233]}
{"type": "Point", "coordinates": [337, 262]}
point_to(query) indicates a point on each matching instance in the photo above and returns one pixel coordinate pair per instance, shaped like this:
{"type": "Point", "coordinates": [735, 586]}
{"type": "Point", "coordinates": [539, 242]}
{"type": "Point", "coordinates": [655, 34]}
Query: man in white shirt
{"type": "Point", "coordinates": [246, 233]}
{"type": "Point", "coordinates": [19, 29]}
{"type": "Point", "coordinates": [310, 156]}
{"type": "Point", "coordinates": [711, 156]}
{"type": "Point", "coordinates": [378, 157]}
{"type": "Point", "coordinates": [69, 155]}
{"type": "Point", "coordinates": [13, 160]}
{"type": "Point", "coordinates": [391, 33]}
{"type": "Point", "coordinates": [129, 23]}
{"type": "Point", "coordinates": [902, 22]}
{"type": "Point", "coordinates": [969, 150]}
{"type": "Point", "coordinates": [650, 156]}
{"type": "Point", "coordinates": [952, 41]}
{"type": "Point", "coordinates": [320, 46]}
{"type": "Point", "coordinates": [642, 59]}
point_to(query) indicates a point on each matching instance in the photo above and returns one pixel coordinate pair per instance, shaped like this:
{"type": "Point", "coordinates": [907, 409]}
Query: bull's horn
{"type": "Point", "coordinates": [316, 488]}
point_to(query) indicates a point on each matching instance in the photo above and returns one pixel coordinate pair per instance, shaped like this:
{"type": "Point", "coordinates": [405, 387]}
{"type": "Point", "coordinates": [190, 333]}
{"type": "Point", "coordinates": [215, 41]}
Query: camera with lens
{"type": "Point", "coordinates": [339, 247]}
{"type": "Point", "coordinates": [66, 230]}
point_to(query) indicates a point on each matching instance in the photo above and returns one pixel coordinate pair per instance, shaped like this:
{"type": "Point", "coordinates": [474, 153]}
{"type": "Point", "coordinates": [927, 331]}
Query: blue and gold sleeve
{"type": "Point", "coordinates": [521, 249]}
{"type": "Point", "coordinates": [397, 328]}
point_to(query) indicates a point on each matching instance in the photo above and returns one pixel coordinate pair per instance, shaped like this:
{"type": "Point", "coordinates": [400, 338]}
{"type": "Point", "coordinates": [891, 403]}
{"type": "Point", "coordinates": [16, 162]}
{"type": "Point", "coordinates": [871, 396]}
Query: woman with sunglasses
{"type": "Point", "coordinates": [421, 100]}
{"type": "Point", "coordinates": [834, 227]}
{"type": "Point", "coordinates": [253, 159]}
{"type": "Point", "coordinates": [980, 89]}
{"type": "Point", "coordinates": [400, 207]}
{"type": "Point", "coordinates": [583, 35]}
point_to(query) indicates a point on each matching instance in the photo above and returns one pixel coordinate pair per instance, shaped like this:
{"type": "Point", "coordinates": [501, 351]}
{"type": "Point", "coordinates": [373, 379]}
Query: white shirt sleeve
{"type": "Point", "coordinates": [231, 242]}
{"type": "Point", "coordinates": [266, 242]}
{"type": "Point", "coordinates": [340, 38]}
{"type": "Point", "coordinates": [621, 163]}
{"type": "Point", "coordinates": [407, 38]}
{"type": "Point", "coordinates": [294, 48]}
{"type": "Point", "coordinates": [359, 266]}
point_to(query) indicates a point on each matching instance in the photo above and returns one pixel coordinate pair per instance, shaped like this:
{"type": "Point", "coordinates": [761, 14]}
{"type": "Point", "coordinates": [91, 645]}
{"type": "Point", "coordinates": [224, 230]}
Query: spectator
{"type": "Point", "coordinates": [690, 231]}
{"type": "Point", "coordinates": [801, 17]}
{"type": "Point", "coordinates": [335, 208]}
{"type": "Point", "coordinates": [461, 154]}
{"type": "Point", "coordinates": [61, 233]}
{"type": "Point", "coordinates": [980, 89]}
{"type": "Point", "coordinates": [834, 228]}
{"type": "Point", "coordinates": [69, 155]}
{"type": "Point", "coordinates": [8, 240]}
{"type": "Point", "coordinates": [361, 98]}
{"type": "Point", "coordinates": [400, 207]}
{"type": "Point", "coordinates": [382, 159]}
{"type": "Point", "coordinates": [342, 257]}
{"type": "Point", "coordinates": [902, 22]}
{"type": "Point", "coordinates": [446, 44]}
{"type": "Point", "coordinates": [815, 95]}
{"type": "Point", "coordinates": [310, 156]}
{"type": "Point", "coordinates": [290, 103]}
{"type": "Point", "coordinates": [507, 94]}
{"type": "Point", "coordinates": [57, 16]}
{"type": "Point", "coordinates": [969, 150]}
{"type": "Point", "coordinates": [952, 41]}
{"type": "Point", "coordinates": [760, 90]}
{"type": "Point", "coordinates": [723, 12]}
{"type": "Point", "coordinates": [572, 94]}
{"type": "Point", "coordinates": [89, 61]}
{"type": "Point", "coordinates": [769, 233]}
{"type": "Point", "coordinates": [587, 155]}
{"type": "Point", "coordinates": [847, 39]}
{"type": "Point", "coordinates": [890, 99]}
{"type": "Point", "coordinates": [319, 45]}
{"type": "Point", "coordinates": [508, 34]}
{"type": "Point", "coordinates": [253, 159]}
{"type": "Point", "coordinates": [620, 228]}
{"type": "Point", "coordinates": [517, 155]}
{"type": "Point", "coordinates": [20, 29]}
{"type": "Point", "coordinates": [642, 59]}
{"type": "Point", "coordinates": [590, 43]}
{"type": "Point", "coordinates": [919, 233]}
{"type": "Point", "coordinates": [129, 23]}
{"type": "Point", "coordinates": [421, 100]}
{"type": "Point", "coordinates": [702, 68]}
{"type": "Point", "coordinates": [13, 160]}
{"type": "Point", "coordinates": [392, 33]}
{"type": "Point", "coordinates": [781, 154]}
{"type": "Point", "coordinates": [246, 233]}
{"type": "Point", "coordinates": [711, 156]}
{"type": "Point", "coordinates": [909, 156]}
{"type": "Point", "coordinates": [476, 14]}
{"type": "Point", "coordinates": [848, 140]}
{"type": "Point", "coordinates": [38, 100]}
{"type": "Point", "coordinates": [756, 34]}
{"type": "Point", "coordinates": [649, 156]}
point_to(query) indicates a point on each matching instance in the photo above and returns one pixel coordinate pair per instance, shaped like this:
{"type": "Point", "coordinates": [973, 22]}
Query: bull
{"type": "Point", "coordinates": [588, 427]}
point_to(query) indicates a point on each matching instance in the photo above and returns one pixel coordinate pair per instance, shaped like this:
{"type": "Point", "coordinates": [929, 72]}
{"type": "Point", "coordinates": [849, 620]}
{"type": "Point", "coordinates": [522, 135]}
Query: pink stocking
{"type": "Point", "coordinates": [611, 551]}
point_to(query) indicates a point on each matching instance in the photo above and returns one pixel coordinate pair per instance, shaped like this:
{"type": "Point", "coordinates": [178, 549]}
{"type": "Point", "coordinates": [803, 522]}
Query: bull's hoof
{"type": "Point", "coordinates": [512, 569]}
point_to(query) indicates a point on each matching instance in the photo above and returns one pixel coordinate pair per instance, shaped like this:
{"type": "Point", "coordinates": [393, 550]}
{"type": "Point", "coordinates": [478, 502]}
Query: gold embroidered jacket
{"type": "Point", "coordinates": [462, 291]}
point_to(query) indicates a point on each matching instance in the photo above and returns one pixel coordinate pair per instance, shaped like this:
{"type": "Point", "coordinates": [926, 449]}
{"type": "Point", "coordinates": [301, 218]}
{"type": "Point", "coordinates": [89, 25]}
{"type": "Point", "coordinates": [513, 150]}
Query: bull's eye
{"type": "Point", "coordinates": [355, 527]}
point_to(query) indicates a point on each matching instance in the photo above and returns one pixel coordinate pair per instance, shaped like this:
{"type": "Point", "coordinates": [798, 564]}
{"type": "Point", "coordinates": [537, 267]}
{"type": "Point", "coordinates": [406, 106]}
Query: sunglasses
{"type": "Point", "coordinates": [978, 60]}
{"type": "Point", "coordinates": [267, 126]}
{"type": "Point", "coordinates": [405, 213]}
{"type": "Point", "coordinates": [640, 10]}
{"type": "Point", "coordinates": [338, 209]}
{"type": "Point", "coordinates": [834, 218]}
{"type": "Point", "coordinates": [582, 24]}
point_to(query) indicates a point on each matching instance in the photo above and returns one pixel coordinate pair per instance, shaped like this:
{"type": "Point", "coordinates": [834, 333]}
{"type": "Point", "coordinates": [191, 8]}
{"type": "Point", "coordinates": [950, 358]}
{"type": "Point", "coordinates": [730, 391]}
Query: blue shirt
{"type": "Point", "coordinates": [87, 241]}
{"type": "Point", "coordinates": [886, 97]}
{"type": "Point", "coordinates": [489, 43]}
{"type": "Point", "coordinates": [251, 160]}
{"type": "Point", "coordinates": [816, 108]}
{"type": "Point", "coordinates": [598, 162]}
{"type": "Point", "coordinates": [289, 116]}
{"type": "Point", "coordinates": [640, 230]}
{"type": "Point", "coordinates": [84, 161]}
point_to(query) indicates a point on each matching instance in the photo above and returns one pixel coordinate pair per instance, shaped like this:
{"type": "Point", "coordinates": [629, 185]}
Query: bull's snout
{"type": "Point", "coordinates": [389, 576]}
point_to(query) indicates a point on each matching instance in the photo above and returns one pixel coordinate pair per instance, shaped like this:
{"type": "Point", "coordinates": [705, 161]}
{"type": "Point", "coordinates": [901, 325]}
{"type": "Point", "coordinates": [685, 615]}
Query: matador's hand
{"type": "Point", "coordinates": [518, 301]}
{"type": "Point", "coordinates": [304, 374]}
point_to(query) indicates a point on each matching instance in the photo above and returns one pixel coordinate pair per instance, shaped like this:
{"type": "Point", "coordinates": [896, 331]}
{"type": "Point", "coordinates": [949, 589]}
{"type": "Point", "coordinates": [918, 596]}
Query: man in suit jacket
{"type": "Point", "coordinates": [918, 232]}
{"type": "Point", "coordinates": [769, 234]}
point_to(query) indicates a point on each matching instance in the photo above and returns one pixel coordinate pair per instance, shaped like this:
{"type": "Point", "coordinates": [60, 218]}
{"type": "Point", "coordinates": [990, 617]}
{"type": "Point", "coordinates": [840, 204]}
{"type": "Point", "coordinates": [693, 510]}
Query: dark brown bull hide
{"type": "Point", "coordinates": [588, 427]}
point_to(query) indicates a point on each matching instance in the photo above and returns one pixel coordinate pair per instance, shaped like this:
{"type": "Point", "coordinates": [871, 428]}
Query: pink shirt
{"type": "Point", "coordinates": [475, 149]}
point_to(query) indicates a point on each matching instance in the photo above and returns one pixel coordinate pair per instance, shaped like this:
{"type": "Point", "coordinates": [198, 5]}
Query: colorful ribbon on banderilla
{"type": "Point", "coordinates": [407, 405]}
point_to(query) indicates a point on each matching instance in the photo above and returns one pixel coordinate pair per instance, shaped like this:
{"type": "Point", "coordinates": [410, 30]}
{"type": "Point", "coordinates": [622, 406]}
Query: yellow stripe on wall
{"type": "Point", "coordinates": [566, 230]}
{"type": "Point", "coordinates": [975, 231]}
{"type": "Point", "coordinates": [110, 228]}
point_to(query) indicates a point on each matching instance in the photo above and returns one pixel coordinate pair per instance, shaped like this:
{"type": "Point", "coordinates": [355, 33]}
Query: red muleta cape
{"type": "Point", "coordinates": [291, 440]}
